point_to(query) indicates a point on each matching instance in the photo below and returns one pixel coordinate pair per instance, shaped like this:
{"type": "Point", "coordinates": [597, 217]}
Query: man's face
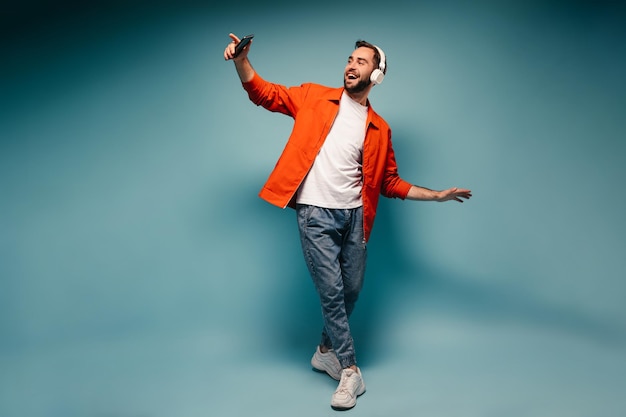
{"type": "Point", "coordinates": [356, 76]}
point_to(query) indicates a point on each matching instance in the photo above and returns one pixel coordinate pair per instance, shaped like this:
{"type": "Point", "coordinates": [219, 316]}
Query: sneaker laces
{"type": "Point", "coordinates": [346, 384]}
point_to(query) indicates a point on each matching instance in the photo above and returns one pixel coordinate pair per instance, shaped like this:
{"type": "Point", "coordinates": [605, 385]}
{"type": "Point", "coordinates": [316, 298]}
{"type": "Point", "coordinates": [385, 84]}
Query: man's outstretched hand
{"type": "Point", "coordinates": [456, 194]}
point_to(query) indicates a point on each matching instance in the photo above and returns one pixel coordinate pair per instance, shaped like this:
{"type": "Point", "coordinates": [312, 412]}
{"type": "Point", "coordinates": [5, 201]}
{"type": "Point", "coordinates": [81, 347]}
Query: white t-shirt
{"type": "Point", "coordinates": [336, 178]}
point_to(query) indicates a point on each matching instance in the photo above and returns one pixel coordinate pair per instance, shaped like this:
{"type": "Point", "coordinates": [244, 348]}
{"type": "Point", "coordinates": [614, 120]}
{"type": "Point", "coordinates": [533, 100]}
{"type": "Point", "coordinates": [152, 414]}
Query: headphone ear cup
{"type": "Point", "coordinates": [377, 76]}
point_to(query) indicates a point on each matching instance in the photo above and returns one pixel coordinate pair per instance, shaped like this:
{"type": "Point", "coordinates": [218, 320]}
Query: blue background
{"type": "Point", "coordinates": [140, 274]}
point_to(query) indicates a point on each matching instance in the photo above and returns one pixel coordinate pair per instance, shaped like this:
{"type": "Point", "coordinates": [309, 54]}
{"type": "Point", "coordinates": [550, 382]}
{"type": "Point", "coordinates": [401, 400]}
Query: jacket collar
{"type": "Point", "coordinates": [334, 95]}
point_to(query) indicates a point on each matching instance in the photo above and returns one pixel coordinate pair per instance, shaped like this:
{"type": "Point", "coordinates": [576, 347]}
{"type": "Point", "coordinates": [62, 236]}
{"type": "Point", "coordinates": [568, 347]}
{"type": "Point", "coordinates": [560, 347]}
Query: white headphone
{"type": "Point", "coordinates": [378, 75]}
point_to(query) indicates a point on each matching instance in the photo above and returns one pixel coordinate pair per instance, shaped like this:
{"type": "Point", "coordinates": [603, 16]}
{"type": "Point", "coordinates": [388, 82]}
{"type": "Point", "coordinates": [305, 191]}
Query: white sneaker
{"type": "Point", "coordinates": [326, 362]}
{"type": "Point", "coordinates": [350, 387]}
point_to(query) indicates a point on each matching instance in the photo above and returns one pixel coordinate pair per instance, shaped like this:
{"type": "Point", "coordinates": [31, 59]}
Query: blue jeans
{"type": "Point", "coordinates": [335, 252]}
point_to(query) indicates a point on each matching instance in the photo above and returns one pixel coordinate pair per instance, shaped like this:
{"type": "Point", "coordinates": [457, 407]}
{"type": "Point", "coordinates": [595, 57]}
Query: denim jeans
{"type": "Point", "coordinates": [335, 252]}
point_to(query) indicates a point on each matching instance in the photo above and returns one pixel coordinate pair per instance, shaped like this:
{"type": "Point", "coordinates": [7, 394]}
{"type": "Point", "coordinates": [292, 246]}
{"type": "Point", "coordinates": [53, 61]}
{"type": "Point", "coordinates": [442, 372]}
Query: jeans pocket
{"type": "Point", "coordinates": [303, 212]}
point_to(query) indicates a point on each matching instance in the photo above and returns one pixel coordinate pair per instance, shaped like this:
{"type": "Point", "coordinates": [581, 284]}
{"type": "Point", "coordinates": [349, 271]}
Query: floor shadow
{"type": "Point", "coordinates": [287, 321]}
{"type": "Point", "coordinates": [392, 271]}
{"type": "Point", "coordinates": [290, 319]}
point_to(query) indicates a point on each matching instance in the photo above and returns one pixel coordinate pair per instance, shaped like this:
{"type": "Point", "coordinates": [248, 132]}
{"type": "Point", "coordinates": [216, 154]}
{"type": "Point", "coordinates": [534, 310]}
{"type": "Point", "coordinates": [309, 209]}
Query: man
{"type": "Point", "coordinates": [336, 163]}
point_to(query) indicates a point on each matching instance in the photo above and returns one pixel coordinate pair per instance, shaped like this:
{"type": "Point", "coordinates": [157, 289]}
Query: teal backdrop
{"type": "Point", "coordinates": [140, 274]}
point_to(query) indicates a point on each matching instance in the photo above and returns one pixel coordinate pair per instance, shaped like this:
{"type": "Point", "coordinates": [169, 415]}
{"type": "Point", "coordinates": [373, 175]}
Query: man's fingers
{"type": "Point", "coordinates": [234, 38]}
{"type": "Point", "coordinates": [229, 52]}
{"type": "Point", "coordinates": [458, 194]}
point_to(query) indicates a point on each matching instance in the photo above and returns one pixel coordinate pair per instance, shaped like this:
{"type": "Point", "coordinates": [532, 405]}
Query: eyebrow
{"type": "Point", "coordinates": [358, 58]}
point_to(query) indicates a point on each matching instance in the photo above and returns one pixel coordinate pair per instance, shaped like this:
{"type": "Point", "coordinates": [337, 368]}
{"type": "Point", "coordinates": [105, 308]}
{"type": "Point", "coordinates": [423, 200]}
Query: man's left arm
{"type": "Point", "coordinates": [426, 194]}
{"type": "Point", "coordinates": [394, 186]}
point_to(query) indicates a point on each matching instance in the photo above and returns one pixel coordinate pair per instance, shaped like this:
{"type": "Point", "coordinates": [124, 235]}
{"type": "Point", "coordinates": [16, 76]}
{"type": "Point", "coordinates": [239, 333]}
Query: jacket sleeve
{"type": "Point", "coordinates": [393, 186]}
{"type": "Point", "coordinates": [275, 97]}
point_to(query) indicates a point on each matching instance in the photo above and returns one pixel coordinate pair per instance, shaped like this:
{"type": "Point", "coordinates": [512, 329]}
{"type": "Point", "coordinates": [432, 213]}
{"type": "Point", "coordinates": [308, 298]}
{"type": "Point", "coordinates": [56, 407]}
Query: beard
{"type": "Point", "coordinates": [359, 87]}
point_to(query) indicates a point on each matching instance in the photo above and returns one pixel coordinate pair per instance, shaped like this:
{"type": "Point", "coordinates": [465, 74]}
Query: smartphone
{"type": "Point", "coordinates": [244, 41]}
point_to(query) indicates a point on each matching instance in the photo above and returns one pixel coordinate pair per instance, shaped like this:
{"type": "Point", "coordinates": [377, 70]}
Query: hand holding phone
{"type": "Point", "coordinates": [242, 44]}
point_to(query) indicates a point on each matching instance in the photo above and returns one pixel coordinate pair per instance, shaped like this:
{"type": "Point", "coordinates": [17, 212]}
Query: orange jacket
{"type": "Point", "coordinates": [314, 108]}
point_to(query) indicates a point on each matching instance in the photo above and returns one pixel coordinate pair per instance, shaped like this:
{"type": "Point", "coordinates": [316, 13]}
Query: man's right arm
{"type": "Point", "coordinates": [271, 96]}
{"type": "Point", "coordinates": [242, 63]}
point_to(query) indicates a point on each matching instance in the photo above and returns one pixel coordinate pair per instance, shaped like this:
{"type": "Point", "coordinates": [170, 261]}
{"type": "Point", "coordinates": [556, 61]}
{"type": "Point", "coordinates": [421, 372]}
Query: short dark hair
{"type": "Point", "coordinates": [361, 43]}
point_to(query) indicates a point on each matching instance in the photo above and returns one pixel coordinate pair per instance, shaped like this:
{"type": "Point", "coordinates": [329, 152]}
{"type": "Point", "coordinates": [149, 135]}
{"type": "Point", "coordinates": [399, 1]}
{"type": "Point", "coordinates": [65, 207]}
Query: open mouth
{"type": "Point", "coordinates": [351, 76]}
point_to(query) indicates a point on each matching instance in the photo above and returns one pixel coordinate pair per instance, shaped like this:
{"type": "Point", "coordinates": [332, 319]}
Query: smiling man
{"type": "Point", "coordinates": [337, 162]}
